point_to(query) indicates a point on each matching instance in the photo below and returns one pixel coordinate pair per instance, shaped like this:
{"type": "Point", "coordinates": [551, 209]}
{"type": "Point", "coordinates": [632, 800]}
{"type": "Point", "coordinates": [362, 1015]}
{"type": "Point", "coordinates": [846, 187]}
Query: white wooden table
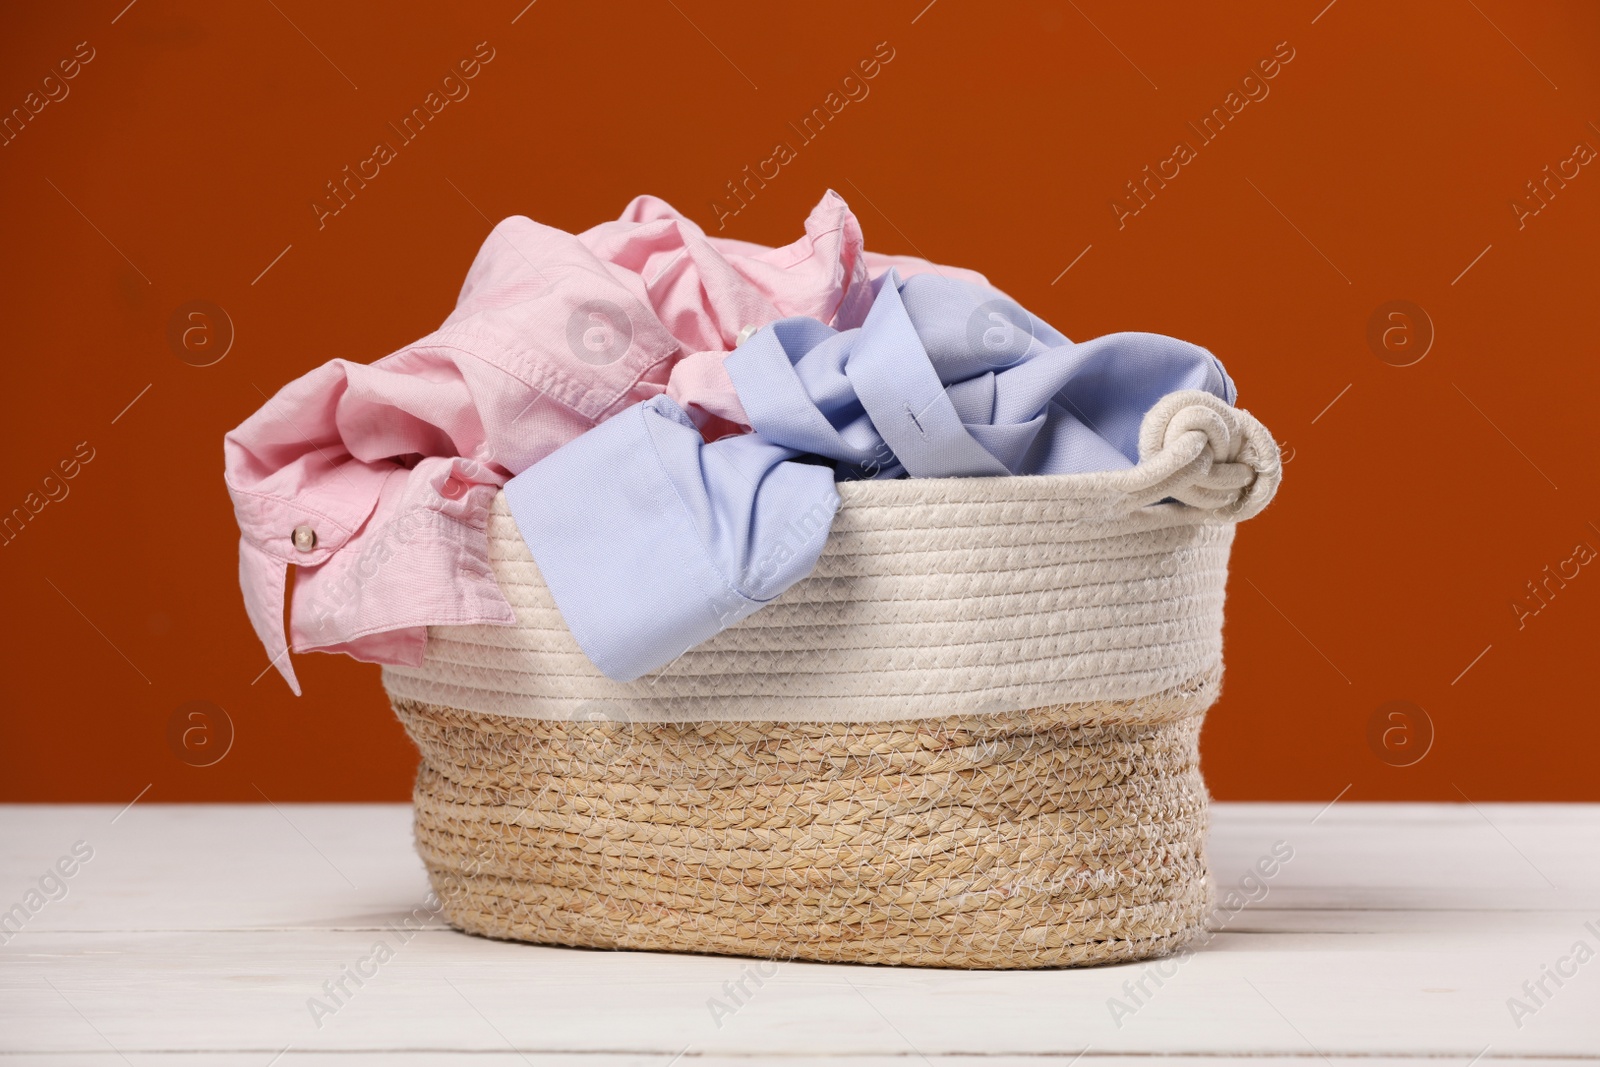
{"type": "Point", "coordinates": [203, 934]}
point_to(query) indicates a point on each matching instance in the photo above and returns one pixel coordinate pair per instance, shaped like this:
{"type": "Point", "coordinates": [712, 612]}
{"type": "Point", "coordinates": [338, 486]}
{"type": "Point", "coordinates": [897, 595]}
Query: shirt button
{"type": "Point", "coordinates": [304, 538]}
{"type": "Point", "coordinates": [745, 335]}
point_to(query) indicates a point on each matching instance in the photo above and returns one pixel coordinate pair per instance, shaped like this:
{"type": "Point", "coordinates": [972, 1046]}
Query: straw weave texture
{"type": "Point", "coordinates": [1071, 834]}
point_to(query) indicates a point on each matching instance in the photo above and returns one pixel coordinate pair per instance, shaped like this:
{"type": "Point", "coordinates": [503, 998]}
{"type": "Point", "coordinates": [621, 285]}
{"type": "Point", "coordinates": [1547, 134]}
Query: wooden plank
{"type": "Point", "coordinates": [292, 1058]}
{"type": "Point", "coordinates": [300, 866]}
{"type": "Point", "coordinates": [352, 866]}
{"type": "Point", "coordinates": [1394, 930]}
{"type": "Point", "coordinates": [1418, 993]}
{"type": "Point", "coordinates": [1419, 856]}
{"type": "Point", "coordinates": [220, 866]}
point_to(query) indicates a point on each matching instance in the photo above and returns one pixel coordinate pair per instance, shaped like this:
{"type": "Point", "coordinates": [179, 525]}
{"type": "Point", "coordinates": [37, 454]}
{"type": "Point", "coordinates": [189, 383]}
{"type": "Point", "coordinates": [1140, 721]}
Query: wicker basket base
{"type": "Point", "coordinates": [1056, 836]}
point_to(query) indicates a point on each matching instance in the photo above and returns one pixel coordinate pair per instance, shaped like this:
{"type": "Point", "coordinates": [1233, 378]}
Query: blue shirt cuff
{"type": "Point", "coordinates": [652, 541]}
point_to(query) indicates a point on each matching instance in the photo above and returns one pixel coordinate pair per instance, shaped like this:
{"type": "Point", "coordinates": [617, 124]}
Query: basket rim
{"type": "Point", "coordinates": [1195, 450]}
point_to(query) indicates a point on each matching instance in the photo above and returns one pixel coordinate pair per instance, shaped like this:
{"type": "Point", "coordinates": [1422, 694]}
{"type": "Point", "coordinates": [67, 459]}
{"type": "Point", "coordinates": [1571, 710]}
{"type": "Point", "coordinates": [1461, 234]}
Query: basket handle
{"type": "Point", "coordinates": [1197, 449]}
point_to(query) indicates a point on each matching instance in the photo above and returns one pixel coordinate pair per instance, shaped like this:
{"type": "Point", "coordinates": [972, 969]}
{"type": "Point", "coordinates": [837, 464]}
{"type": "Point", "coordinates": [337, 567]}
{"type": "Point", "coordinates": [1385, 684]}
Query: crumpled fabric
{"type": "Point", "coordinates": [652, 540]}
{"type": "Point", "coordinates": [392, 465]}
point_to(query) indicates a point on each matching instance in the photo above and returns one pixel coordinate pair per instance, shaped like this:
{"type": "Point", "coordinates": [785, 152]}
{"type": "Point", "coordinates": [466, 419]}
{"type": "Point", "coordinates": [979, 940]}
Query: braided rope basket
{"type": "Point", "coordinates": [969, 739]}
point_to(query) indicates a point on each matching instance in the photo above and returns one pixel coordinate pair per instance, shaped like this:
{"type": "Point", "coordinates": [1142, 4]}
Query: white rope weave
{"type": "Point", "coordinates": [933, 596]}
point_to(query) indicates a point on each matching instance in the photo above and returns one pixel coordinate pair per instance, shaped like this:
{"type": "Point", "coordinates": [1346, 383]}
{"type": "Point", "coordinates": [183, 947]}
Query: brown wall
{"type": "Point", "coordinates": [1382, 166]}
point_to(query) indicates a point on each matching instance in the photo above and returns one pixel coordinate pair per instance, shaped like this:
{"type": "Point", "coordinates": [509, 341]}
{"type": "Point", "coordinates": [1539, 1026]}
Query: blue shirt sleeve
{"type": "Point", "coordinates": [652, 541]}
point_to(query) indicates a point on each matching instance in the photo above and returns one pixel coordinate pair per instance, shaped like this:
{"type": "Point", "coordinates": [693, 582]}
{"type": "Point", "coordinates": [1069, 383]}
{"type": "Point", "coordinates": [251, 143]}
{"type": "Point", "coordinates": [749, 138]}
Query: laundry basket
{"type": "Point", "coordinates": [968, 739]}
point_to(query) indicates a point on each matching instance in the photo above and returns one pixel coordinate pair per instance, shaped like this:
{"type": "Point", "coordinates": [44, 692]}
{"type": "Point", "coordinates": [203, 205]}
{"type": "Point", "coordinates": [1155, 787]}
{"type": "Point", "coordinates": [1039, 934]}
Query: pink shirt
{"type": "Point", "coordinates": [375, 479]}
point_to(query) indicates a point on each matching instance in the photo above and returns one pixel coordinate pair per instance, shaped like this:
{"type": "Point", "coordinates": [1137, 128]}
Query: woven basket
{"type": "Point", "coordinates": [968, 739]}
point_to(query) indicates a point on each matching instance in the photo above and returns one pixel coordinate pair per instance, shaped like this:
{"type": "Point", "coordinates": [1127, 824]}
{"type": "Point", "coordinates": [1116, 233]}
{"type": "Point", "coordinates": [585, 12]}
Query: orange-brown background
{"type": "Point", "coordinates": [1414, 510]}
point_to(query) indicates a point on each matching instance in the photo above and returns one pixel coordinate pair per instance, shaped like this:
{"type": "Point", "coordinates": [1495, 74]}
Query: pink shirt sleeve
{"type": "Point", "coordinates": [387, 469]}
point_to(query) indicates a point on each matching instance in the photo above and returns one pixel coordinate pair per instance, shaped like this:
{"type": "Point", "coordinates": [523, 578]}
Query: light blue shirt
{"type": "Point", "coordinates": [652, 540]}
